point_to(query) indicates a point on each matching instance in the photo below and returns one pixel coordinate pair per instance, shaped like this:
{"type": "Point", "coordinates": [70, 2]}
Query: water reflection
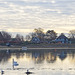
{"type": "Point", "coordinates": [63, 55]}
{"type": "Point", "coordinates": [41, 62]}
{"type": "Point", "coordinates": [4, 57]}
{"type": "Point", "coordinates": [39, 56]}
{"type": "Point", "coordinates": [50, 57]}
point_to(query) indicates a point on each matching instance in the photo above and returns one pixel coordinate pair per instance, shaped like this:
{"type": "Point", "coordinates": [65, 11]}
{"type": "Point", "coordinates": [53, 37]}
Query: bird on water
{"type": "Point", "coordinates": [28, 72]}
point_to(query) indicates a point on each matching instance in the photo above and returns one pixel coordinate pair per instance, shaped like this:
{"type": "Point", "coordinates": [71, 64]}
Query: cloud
{"type": "Point", "coordinates": [52, 1]}
{"type": "Point", "coordinates": [17, 15]}
{"type": "Point", "coordinates": [19, 30]}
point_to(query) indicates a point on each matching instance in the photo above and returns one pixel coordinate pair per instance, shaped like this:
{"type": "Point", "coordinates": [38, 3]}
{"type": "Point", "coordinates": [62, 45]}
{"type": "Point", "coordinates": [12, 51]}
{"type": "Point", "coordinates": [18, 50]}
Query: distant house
{"type": "Point", "coordinates": [35, 40]}
{"type": "Point", "coordinates": [13, 40]}
{"type": "Point", "coordinates": [62, 39]}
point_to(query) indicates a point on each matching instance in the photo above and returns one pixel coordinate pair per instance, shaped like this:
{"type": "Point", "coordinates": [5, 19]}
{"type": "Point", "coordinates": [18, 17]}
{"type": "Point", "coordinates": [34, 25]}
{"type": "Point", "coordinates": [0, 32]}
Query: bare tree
{"type": "Point", "coordinates": [28, 37]}
{"type": "Point", "coordinates": [6, 35]}
{"type": "Point", "coordinates": [72, 34]}
{"type": "Point", "coordinates": [33, 34]}
{"type": "Point", "coordinates": [39, 33]}
{"type": "Point", "coordinates": [19, 38]}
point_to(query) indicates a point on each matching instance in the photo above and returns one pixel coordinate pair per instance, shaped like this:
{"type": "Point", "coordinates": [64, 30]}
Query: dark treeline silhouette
{"type": "Point", "coordinates": [39, 32]}
{"type": "Point", "coordinates": [6, 37]}
{"type": "Point", "coordinates": [37, 35]}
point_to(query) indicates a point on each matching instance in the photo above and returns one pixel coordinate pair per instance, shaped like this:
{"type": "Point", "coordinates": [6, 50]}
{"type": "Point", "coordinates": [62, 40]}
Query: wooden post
{"type": "Point", "coordinates": [13, 64]}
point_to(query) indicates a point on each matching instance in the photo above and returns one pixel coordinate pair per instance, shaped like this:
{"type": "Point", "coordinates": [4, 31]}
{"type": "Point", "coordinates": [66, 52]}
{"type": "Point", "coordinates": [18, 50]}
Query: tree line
{"type": "Point", "coordinates": [48, 35]}
{"type": "Point", "coordinates": [37, 32]}
{"type": "Point", "coordinates": [7, 37]}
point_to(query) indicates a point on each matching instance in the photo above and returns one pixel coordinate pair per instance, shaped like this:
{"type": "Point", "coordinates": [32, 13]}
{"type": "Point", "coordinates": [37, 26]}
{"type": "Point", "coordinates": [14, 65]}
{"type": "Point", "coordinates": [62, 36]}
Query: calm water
{"type": "Point", "coordinates": [54, 62]}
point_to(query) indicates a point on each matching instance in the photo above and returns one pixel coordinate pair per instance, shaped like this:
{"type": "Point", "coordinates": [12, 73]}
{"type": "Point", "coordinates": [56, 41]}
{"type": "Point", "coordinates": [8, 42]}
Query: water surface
{"type": "Point", "coordinates": [40, 62]}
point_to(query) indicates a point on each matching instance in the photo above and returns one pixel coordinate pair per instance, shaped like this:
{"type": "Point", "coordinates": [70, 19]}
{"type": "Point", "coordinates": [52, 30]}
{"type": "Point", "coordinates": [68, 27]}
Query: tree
{"type": "Point", "coordinates": [28, 38]}
{"type": "Point", "coordinates": [39, 30]}
{"type": "Point", "coordinates": [51, 35]}
{"type": "Point", "coordinates": [6, 35]}
{"type": "Point", "coordinates": [19, 38]}
{"type": "Point", "coordinates": [39, 33]}
{"type": "Point", "coordinates": [33, 34]}
{"type": "Point", "coordinates": [72, 34]}
{"type": "Point", "coordinates": [1, 37]}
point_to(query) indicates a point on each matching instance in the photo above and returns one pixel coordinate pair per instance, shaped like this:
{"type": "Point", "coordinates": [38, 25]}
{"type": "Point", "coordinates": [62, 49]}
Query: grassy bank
{"type": "Point", "coordinates": [44, 45]}
{"type": "Point", "coordinates": [50, 45]}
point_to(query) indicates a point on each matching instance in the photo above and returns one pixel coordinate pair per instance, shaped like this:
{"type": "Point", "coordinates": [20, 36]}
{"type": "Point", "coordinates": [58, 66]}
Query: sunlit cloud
{"type": "Point", "coordinates": [19, 30]}
{"type": "Point", "coordinates": [25, 15]}
{"type": "Point", "coordinates": [52, 1]}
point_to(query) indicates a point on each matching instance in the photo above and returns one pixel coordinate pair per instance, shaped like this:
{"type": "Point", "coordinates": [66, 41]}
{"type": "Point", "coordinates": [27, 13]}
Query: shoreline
{"type": "Point", "coordinates": [28, 49]}
{"type": "Point", "coordinates": [41, 47]}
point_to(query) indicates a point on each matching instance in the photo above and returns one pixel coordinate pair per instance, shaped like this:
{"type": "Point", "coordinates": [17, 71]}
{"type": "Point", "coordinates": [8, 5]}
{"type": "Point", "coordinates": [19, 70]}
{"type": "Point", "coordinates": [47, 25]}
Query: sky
{"type": "Point", "coordinates": [23, 16]}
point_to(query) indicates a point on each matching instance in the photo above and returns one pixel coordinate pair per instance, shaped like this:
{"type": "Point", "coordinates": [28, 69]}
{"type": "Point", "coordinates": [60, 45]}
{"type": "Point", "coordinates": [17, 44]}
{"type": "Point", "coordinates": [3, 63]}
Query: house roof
{"type": "Point", "coordinates": [62, 36]}
{"type": "Point", "coordinates": [35, 39]}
